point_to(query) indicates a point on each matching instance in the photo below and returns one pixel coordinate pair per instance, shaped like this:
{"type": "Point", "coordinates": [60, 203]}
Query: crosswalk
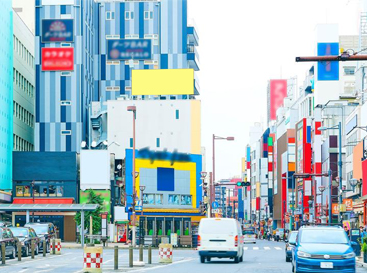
{"type": "Point", "coordinates": [262, 248]}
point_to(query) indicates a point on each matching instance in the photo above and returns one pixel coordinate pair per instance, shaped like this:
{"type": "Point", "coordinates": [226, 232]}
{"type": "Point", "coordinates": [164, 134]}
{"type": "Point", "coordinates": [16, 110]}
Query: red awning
{"type": "Point", "coordinates": [43, 201]}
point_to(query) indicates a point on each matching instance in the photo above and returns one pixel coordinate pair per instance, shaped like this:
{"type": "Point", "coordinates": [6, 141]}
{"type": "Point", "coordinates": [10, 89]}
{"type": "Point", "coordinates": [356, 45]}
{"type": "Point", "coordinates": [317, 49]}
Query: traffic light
{"type": "Point", "coordinates": [243, 184]}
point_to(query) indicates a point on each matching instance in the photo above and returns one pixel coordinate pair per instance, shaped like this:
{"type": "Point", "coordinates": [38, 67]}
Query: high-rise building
{"type": "Point", "coordinates": [23, 86]}
{"type": "Point", "coordinates": [6, 95]}
{"type": "Point", "coordinates": [65, 47]}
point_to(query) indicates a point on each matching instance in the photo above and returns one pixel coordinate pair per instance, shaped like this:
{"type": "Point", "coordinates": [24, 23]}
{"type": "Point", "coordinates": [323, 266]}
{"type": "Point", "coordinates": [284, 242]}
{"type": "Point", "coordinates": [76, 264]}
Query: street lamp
{"type": "Point", "coordinates": [216, 138]}
{"type": "Point", "coordinates": [340, 163]}
{"type": "Point", "coordinates": [133, 109]}
{"type": "Point", "coordinates": [353, 183]}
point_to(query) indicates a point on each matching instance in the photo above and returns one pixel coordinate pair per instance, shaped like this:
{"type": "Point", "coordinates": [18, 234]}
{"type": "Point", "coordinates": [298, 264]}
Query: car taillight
{"type": "Point", "coordinates": [199, 240]}
{"type": "Point", "coordinates": [236, 241]}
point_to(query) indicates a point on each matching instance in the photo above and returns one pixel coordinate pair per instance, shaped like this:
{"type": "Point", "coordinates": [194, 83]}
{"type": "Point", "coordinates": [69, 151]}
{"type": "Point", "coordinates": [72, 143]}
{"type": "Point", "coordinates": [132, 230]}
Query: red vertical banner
{"type": "Point", "coordinates": [278, 91]}
{"type": "Point", "coordinates": [364, 177]}
{"type": "Point", "coordinates": [284, 197]}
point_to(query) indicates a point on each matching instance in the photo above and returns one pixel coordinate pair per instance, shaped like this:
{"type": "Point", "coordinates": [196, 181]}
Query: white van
{"type": "Point", "coordinates": [220, 238]}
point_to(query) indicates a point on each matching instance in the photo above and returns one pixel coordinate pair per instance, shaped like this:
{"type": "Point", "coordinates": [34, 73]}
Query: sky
{"type": "Point", "coordinates": [243, 44]}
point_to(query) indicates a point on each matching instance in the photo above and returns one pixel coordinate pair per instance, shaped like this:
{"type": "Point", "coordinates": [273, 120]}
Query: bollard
{"type": "Point", "coordinates": [44, 248]}
{"type": "Point", "coordinates": [149, 254]}
{"type": "Point", "coordinates": [53, 247]}
{"type": "Point", "coordinates": [116, 258]}
{"type": "Point", "coordinates": [19, 245]}
{"type": "Point", "coordinates": [131, 257]}
{"type": "Point", "coordinates": [93, 259]}
{"type": "Point", "coordinates": [32, 249]}
{"type": "Point", "coordinates": [165, 253]}
{"type": "Point", "coordinates": [140, 253]}
{"type": "Point", "coordinates": [3, 253]}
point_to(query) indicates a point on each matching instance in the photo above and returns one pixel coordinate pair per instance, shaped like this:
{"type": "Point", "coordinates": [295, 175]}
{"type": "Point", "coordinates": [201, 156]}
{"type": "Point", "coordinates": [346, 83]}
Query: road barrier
{"type": "Point", "coordinates": [131, 256]}
{"type": "Point", "coordinates": [3, 257]}
{"type": "Point", "coordinates": [44, 248]}
{"type": "Point", "coordinates": [141, 253]}
{"type": "Point", "coordinates": [19, 246]}
{"type": "Point", "coordinates": [116, 258]}
{"type": "Point", "coordinates": [32, 248]}
{"type": "Point", "coordinates": [165, 253]}
{"type": "Point", "coordinates": [93, 259]}
{"type": "Point", "coordinates": [56, 247]}
{"type": "Point", "coordinates": [149, 254]}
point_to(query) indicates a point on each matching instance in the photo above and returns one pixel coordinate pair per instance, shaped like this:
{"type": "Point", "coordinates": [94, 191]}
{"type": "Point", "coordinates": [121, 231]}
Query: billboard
{"type": "Point", "coordinates": [58, 59]}
{"type": "Point", "coordinates": [57, 30]}
{"type": "Point", "coordinates": [105, 194]}
{"type": "Point", "coordinates": [163, 82]}
{"type": "Point", "coordinates": [278, 91]}
{"type": "Point", "coordinates": [127, 49]}
{"type": "Point", "coordinates": [95, 169]}
{"type": "Point", "coordinates": [328, 71]}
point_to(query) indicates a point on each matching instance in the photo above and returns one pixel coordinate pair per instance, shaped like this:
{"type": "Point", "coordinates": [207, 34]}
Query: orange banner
{"type": "Point", "coordinates": [335, 208]}
{"type": "Point", "coordinates": [348, 204]}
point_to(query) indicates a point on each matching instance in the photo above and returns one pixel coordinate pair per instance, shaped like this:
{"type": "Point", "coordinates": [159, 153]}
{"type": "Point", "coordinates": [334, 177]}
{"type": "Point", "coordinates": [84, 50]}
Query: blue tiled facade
{"type": "Point", "coordinates": [6, 95]}
{"type": "Point", "coordinates": [94, 77]}
{"type": "Point", "coordinates": [63, 127]}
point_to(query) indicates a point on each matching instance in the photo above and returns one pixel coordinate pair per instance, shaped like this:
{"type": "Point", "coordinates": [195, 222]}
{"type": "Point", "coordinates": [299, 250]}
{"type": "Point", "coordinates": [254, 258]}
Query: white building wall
{"type": "Point", "coordinates": [154, 120]}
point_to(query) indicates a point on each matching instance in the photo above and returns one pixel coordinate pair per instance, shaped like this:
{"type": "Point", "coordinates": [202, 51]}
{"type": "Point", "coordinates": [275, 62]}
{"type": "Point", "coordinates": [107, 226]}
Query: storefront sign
{"type": "Point", "coordinates": [123, 49]}
{"type": "Point", "coordinates": [335, 208]}
{"type": "Point", "coordinates": [57, 30]}
{"type": "Point", "coordinates": [348, 204]}
{"type": "Point", "coordinates": [58, 59]}
{"type": "Point", "coordinates": [174, 239]}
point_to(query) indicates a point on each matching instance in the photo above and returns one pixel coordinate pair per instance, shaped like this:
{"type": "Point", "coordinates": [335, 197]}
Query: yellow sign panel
{"type": "Point", "coordinates": [163, 82]}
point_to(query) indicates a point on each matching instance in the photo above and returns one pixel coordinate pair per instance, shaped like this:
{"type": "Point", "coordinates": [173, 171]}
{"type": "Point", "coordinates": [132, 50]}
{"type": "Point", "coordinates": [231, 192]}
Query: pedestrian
{"type": "Point", "coordinates": [347, 230]}
{"type": "Point", "coordinates": [363, 233]}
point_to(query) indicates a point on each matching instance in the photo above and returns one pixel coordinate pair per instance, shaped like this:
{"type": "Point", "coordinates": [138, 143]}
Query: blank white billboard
{"type": "Point", "coordinates": [95, 169]}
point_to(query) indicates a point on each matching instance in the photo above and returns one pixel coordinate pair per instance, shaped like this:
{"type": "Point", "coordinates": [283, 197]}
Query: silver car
{"type": "Point", "coordinates": [249, 235]}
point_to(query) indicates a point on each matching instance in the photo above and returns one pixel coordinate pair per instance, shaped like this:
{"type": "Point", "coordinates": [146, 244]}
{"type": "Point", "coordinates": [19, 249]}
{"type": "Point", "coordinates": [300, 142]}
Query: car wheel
{"type": "Point", "coordinates": [208, 259]}
{"type": "Point", "coordinates": [12, 255]}
{"type": "Point", "coordinates": [236, 260]}
{"type": "Point", "coordinates": [241, 258]}
{"type": "Point", "coordinates": [202, 259]}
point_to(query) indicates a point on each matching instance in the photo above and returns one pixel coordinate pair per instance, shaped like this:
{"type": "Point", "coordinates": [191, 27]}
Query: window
{"type": "Point", "coordinates": [65, 103]}
{"type": "Point", "coordinates": [148, 199]}
{"type": "Point", "coordinates": [129, 15]}
{"type": "Point", "coordinates": [158, 142]}
{"type": "Point", "coordinates": [110, 15]}
{"type": "Point", "coordinates": [177, 114]}
{"type": "Point", "coordinates": [349, 70]}
{"type": "Point", "coordinates": [173, 199]}
{"type": "Point", "coordinates": [148, 15]}
{"type": "Point", "coordinates": [66, 132]}
{"type": "Point", "coordinates": [131, 142]}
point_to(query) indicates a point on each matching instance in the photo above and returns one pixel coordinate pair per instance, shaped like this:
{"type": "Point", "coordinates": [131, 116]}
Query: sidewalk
{"type": "Point", "coordinates": [359, 261]}
{"type": "Point", "coordinates": [73, 245]}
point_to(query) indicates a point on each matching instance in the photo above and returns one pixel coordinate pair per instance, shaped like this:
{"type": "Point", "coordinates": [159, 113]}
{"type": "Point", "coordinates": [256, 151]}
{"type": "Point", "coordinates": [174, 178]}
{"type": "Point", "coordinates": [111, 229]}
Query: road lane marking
{"type": "Point", "coordinates": [245, 248]}
{"type": "Point", "coordinates": [278, 248]}
{"type": "Point", "coordinates": [160, 266]}
{"type": "Point", "coordinates": [266, 248]}
{"type": "Point", "coordinates": [255, 248]}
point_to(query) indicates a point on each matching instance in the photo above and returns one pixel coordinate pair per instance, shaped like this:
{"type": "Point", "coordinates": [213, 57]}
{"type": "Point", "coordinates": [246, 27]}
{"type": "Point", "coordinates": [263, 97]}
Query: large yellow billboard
{"type": "Point", "coordinates": [163, 82]}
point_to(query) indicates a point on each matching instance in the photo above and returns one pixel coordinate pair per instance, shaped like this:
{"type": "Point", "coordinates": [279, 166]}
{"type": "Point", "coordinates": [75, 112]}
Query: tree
{"type": "Point", "coordinates": [93, 198]}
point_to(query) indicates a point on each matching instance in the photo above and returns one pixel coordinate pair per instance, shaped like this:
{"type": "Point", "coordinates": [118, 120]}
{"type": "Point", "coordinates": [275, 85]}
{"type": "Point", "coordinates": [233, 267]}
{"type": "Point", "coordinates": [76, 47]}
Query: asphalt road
{"type": "Point", "coordinates": [262, 257]}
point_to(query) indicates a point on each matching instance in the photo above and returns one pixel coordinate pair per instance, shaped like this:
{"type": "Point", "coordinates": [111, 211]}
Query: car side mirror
{"type": "Point", "coordinates": [353, 243]}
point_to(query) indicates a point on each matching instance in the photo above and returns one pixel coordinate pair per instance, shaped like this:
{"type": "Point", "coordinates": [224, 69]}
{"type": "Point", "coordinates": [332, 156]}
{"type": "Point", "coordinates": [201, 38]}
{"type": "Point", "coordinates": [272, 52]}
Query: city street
{"type": "Point", "coordinates": [262, 257]}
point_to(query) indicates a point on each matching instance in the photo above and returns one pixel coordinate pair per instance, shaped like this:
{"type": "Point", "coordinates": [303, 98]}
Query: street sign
{"type": "Point", "coordinates": [215, 205]}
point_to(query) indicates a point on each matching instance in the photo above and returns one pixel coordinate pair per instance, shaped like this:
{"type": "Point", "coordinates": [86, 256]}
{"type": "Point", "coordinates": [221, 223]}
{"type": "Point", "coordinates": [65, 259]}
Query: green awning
{"type": "Point", "coordinates": [122, 222]}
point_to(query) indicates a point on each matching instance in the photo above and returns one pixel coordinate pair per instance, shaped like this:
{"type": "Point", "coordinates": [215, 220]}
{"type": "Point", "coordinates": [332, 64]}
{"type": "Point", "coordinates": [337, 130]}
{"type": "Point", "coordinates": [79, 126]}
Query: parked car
{"type": "Point", "coordinates": [323, 249]}
{"type": "Point", "coordinates": [25, 235]}
{"type": "Point", "coordinates": [220, 238]}
{"type": "Point", "coordinates": [5, 224]}
{"type": "Point", "coordinates": [249, 235]}
{"type": "Point", "coordinates": [290, 242]}
{"type": "Point", "coordinates": [7, 237]}
{"type": "Point", "coordinates": [45, 232]}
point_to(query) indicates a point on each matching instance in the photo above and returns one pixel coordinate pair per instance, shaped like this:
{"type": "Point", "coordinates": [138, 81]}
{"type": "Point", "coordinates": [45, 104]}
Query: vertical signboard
{"type": "Point", "coordinates": [57, 30]}
{"type": "Point", "coordinates": [58, 59]}
{"type": "Point", "coordinates": [328, 71]}
{"type": "Point", "coordinates": [278, 91]}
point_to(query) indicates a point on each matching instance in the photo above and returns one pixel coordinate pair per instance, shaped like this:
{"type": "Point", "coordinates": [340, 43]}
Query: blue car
{"type": "Point", "coordinates": [323, 249]}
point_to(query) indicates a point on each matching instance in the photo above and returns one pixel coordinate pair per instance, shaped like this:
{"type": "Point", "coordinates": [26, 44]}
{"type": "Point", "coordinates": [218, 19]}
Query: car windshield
{"type": "Point", "coordinates": [217, 227]}
{"type": "Point", "coordinates": [248, 232]}
{"type": "Point", "coordinates": [324, 236]}
{"type": "Point", "coordinates": [292, 237]}
{"type": "Point", "coordinates": [20, 232]}
{"type": "Point", "coordinates": [40, 229]}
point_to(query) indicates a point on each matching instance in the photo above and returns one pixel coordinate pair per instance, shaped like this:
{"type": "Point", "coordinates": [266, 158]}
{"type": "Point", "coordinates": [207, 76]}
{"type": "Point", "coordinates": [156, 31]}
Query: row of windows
{"type": "Point", "coordinates": [20, 144]}
{"type": "Point", "coordinates": [22, 51]}
{"type": "Point", "coordinates": [22, 83]}
{"type": "Point", "coordinates": [23, 114]}
{"type": "Point", "coordinates": [129, 15]}
{"type": "Point", "coordinates": [40, 189]}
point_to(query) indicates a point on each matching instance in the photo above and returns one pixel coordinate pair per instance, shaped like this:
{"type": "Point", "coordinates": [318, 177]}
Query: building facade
{"type": "Point", "coordinates": [65, 64]}
{"type": "Point", "coordinates": [23, 86]}
{"type": "Point", "coordinates": [6, 98]}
